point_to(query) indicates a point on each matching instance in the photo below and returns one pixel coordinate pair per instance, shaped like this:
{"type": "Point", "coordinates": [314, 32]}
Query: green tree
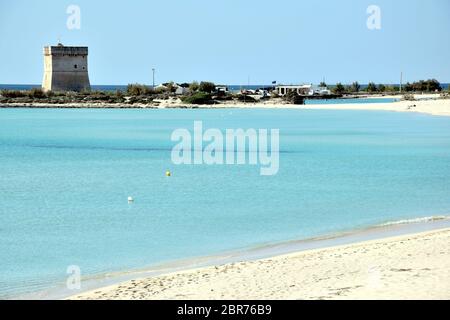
{"type": "Point", "coordinates": [392, 89]}
{"type": "Point", "coordinates": [137, 89]}
{"type": "Point", "coordinates": [408, 87]}
{"type": "Point", "coordinates": [36, 93]}
{"type": "Point", "coordinates": [198, 98]}
{"type": "Point", "coordinates": [323, 84]}
{"type": "Point", "coordinates": [355, 87]}
{"type": "Point", "coordinates": [171, 86]}
{"type": "Point", "coordinates": [194, 86]}
{"type": "Point", "coordinates": [207, 87]}
{"type": "Point", "coordinates": [381, 88]}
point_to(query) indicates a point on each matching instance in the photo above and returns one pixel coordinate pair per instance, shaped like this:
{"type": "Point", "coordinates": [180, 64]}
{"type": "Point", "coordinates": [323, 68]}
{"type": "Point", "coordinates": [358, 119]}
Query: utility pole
{"type": "Point", "coordinates": [401, 81]}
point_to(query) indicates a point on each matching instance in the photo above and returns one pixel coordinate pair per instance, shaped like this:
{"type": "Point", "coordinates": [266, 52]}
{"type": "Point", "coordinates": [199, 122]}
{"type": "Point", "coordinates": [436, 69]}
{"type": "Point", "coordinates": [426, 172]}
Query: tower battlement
{"type": "Point", "coordinates": [69, 51]}
{"type": "Point", "coordinates": [65, 68]}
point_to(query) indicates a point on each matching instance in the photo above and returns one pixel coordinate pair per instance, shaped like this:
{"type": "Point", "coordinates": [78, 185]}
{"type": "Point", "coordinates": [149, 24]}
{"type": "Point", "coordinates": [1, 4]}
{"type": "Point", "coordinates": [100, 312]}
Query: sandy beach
{"type": "Point", "coordinates": [429, 104]}
{"type": "Point", "coordinates": [415, 266]}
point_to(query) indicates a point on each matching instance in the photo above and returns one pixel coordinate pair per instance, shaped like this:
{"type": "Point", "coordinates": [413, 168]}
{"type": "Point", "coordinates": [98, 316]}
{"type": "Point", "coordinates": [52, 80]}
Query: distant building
{"type": "Point", "coordinates": [221, 89]}
{"type": "Point", "coordinates": [65, 69]}
{"type": "Point", "coordinates": [321, 91]}
{"type": "Point", "coordinates": [305, 89]}
{"type": "Point", "coordinates": [181, 90]}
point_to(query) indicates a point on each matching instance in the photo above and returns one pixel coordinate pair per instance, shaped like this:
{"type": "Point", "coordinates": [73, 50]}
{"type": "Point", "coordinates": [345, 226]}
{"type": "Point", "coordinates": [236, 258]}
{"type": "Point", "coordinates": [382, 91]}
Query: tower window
{"type": "Point", "coordinates": [75, 66]}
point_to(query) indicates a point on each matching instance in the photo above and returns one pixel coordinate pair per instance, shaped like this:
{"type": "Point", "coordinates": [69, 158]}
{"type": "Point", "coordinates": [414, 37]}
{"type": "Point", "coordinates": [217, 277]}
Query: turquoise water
{"type": "Point", "coordinates": [65, 176]}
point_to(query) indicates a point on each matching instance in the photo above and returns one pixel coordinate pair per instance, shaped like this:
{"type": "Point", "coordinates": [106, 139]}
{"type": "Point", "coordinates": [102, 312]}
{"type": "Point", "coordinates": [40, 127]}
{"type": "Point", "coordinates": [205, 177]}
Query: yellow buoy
{"type": "Point", "coordinates": [168, 174]}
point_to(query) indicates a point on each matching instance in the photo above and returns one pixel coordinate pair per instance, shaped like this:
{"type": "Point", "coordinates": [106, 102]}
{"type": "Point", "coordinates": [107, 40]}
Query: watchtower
{"type": "Point", "coordinates": [65, 68]}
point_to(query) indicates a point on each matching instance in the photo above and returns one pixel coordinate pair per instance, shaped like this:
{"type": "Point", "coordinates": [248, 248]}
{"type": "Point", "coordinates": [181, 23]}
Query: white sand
{"type": "Point", "coordinates": [434, 107]}
{"type": "Point", "coordinates": [440, 107]}
{"type": "Point", "coordinates": [405, 267]}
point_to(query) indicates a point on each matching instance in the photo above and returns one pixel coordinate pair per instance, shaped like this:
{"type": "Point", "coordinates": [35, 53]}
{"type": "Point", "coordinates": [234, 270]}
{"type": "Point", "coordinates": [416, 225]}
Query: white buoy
{"type": "Point", "coordinates": [130, 199]}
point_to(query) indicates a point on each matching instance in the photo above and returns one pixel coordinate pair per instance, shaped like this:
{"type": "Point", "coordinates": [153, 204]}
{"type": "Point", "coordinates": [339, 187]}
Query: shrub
{"type": "Point", "coordinates": [430, 85]}
{"type": "Point", "coordinates": [372, 87]}
{"type": "Point", "coordinates": [36, 93]}
{"type": "Point", "coordinates": [171, 88]}
{"type": "Point", "coordinates": [294, 98]}
{"type": "Point", "coordinates": [161, 90]}
{"type": "Point", "coordinates": [355, 86]}
{"type": "Point", "coordinates": [339, 88]}
{"type": "Point", "coordinates": [245, 98]}
{"type": "Point", "coordinates": [198, 98]}
{"type": "Point", "coordinates": [194, 86]}
{"type": "Point", "coordinates": [13, 94]}
{"type": "Point", "coordinates": [138, 89]}
{"type": "Point", "coordinates": [409, 97]}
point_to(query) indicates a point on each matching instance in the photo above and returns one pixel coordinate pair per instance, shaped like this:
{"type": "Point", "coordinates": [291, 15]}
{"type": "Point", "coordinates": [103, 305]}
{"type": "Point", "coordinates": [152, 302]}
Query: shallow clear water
{"type": "Point", "coordinates": [65, 176]}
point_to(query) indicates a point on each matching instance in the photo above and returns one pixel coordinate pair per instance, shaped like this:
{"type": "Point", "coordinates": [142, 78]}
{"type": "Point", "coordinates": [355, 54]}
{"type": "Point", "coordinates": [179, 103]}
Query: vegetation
{"type": "Point", "coordinates": [171, 88]}
{"type": "Point", "coordinates": [430, 85]}
{"type": "Point", "coordinates": [138, 90]}
{"type": "Point", "coordinates": [37, 93]}
{"type": "Point", "coordinates": [355, 87]}
{"type": "Point", "coordinates": [199, 93]}
{"type": "Point", "coordinates": [322, 84]}
{"type": "Point", "coordinates": [208, 87]}
{"type": "Point", "coordinates": [246, 98]}
{"type": "Point", "coordinates": [372, 87]}
{"type": "Point", "coordinates": [339, 88]}
{"type": "Point", "coordinates": [194, 86]}
{"type": "Point", "coordinates": [12, 93]}
{"type": "Point", "coordinates": [409, 97]}
{"type": "Point", "coordinates": [293, 97]}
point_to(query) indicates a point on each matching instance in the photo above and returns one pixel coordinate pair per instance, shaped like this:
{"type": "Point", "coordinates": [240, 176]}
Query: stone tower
{"type": "Point", "coordinates": [65, 69]}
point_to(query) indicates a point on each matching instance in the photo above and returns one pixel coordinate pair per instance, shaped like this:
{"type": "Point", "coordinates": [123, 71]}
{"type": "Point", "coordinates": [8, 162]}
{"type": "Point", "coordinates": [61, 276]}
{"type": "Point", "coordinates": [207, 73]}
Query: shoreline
{"type": "Point", "coordinates": [248, 254]}
{"type": "Point", "coordinates": [427, 105]}
{"type": "Point", "coordinates": [242, 280]}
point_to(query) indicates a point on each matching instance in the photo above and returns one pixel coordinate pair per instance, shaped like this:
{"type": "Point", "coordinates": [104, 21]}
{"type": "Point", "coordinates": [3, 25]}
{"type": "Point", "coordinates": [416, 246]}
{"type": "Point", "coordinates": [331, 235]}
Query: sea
{"type": "Point", "coordinates": [66, 175]}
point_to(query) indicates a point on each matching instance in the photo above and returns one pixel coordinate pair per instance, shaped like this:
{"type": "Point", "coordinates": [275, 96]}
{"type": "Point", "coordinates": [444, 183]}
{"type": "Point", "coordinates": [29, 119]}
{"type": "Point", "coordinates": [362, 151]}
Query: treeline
{"type": "Point", "coordinates": [54, 97]}
{"type": "Point", "coordinates": [431, 85]}
{"type": "Point", "coordinates": [194, 93]}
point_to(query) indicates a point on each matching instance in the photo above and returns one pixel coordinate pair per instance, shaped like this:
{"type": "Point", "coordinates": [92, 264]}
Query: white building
{"type": "Point", "coordinates": [222, 89]}
{"type": "Point", "coordinates": [300, 89]}
{"type": "Point", "coordinates": [304, 89]}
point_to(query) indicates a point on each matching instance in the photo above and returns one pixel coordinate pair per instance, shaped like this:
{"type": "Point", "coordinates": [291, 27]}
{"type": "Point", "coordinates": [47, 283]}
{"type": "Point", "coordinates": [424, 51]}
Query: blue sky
{"type": "Point", "coordinates": [227, 41]}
